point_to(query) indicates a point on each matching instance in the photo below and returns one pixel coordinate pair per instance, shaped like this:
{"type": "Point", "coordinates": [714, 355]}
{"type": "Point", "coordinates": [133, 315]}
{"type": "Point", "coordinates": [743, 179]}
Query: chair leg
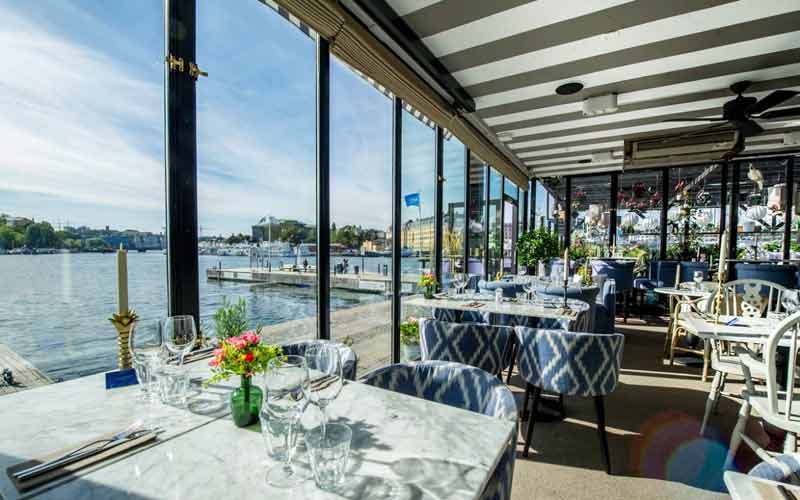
{"type": "Point", "coordinates": [706, 359]}
{"type": "Point", "coordinates": [720, 391]}
{"type": "Point", "coordinates": [713, 394]}
{"type": "Point", "coordinates": [625, 296]}
{"type": "Point", "coordinates": [531, 420]}
{"type": "Point", "coordinates": [599, 407]}
{"type": "Point", "coordinates": [513, 360]}
{"type": "Point", "coordinates": [525, 412]}
{"type": "Point", "coordinates": [736, 436]}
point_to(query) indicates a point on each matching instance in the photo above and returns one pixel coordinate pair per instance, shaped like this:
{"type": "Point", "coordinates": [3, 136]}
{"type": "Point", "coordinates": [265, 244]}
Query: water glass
{"type": "Point", "coordinates": [173, 384]}
{"type": "Point", "coordinates": [698, 278]}
{"type": "Point", "coordinates": [145, 343]}
{"type": "Point", "coordinates": [285, 385]}
{"type": "Point", "coordinates": [180, 335]}
{"type": "Point", "coordinates": [328, 449]}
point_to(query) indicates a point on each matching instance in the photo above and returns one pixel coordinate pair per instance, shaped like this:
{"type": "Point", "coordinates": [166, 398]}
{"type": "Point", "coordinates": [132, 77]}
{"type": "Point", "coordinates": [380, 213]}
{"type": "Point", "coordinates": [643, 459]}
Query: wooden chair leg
{"type": "Point", "coordinates": [531, 420]}
{"type": "Point", "coordinates": [525, 412]}
{"type": "Point", "coordinates": [706, 359]}
{"type": "Point", "coordinates": [736, 436]}
{"type": "Point", "coordinates": [513, 360]}
{"type": "Point", "coordinates": [713, 394]}
{"type": "Point", "coordinates": [599, 407]}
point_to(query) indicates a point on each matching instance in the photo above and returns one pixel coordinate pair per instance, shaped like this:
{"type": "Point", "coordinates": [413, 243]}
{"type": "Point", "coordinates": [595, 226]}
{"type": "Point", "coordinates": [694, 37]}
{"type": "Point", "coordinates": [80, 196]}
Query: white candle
{"type": "Point", "coordinates": [723, 252]}
{"type": "Point", "coordinates": [122, 280]}
{"type": "Point", "coordinates": [566, 264]}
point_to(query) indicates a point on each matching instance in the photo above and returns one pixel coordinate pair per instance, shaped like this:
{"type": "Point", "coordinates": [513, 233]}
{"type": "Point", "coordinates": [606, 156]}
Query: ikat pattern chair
{"type": "Point", "coordinates": [349, 358]}
{"type": "Point", "coordinates": [570, 364]}
{"type": "Point", "coordinates": [462, 386]}
{"type": "Point", "coordinates": [784, 468]}
{"type": "Point", "coordinates": [483, 346]}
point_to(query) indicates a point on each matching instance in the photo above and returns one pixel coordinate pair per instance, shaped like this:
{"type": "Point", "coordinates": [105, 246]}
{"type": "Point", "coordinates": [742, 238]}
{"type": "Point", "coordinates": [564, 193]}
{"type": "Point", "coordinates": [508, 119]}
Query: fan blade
{"type": "Point", "coordinates": [781, 113]}
{"type": "Point", "coordinates": [771, 100]}
{"type": "Point", "coordinates": [749, 128]}
{"type": "Point", "coordinates": [693, 132]}
{"type": "Point", "coordinates": [687, 119]}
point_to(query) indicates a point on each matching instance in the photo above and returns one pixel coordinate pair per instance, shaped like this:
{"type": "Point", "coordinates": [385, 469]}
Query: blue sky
{"type": "Point", "coordinates": [84, 139]}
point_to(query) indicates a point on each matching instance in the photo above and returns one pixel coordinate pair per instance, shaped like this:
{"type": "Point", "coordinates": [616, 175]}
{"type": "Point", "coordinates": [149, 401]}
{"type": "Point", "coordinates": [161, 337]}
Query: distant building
{"type": "Point", "coordinates": [418, 234]}
{"type": "Point", "coordinates": [18, 221]}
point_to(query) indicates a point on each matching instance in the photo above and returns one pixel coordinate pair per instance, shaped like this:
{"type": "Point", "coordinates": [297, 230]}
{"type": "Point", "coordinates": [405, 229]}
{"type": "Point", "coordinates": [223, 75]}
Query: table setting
{"type": "Point", "coordinates": [248, 423]}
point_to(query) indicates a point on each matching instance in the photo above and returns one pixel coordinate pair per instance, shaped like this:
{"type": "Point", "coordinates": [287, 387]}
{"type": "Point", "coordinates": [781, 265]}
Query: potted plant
{"type": "Point", "coordinates": [409, 340]}
{"type": "Point", "coordinates": [538, 245]}
{"type": "Point", "coordinates": [231, 319]}
{"type": "Point", "coordinates": [428, 283]}
{"type": "Point", "coordinates": [243, 355]}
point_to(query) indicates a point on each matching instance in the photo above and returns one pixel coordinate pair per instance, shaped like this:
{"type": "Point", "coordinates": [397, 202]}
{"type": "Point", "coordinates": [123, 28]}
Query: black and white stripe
{"type": "Point", "coordinates": [663, 59]}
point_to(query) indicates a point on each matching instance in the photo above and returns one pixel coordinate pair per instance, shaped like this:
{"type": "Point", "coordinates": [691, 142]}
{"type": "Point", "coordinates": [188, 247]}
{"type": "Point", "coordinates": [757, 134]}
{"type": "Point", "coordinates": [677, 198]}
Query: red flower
{"type": "Point", "coordinates": [249, 357]}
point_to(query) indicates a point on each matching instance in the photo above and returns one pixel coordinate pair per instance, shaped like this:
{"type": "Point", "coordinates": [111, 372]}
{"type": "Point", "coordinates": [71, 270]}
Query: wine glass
{"type": "Point", "coordinates": [285, 386]}
{"type": "Point", "coordinates": [146, 344]}
{"type": "Point", "coordinates": [459, 282]}
{"type": "Point", "coordinates": [180, 334]}
{"type": "Point", "coordinates": [325, 369]}
{"type": "Point", "coordinates": [698, 278]}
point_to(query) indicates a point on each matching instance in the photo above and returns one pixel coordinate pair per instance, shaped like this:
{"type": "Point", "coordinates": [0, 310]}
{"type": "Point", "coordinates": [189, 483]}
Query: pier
{"type": "Point", "coordinates": [363, 282]}
{"type": "Point", "coordinates": [26, 376]}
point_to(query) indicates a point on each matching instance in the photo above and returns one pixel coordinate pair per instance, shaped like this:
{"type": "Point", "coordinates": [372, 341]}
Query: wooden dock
{"type": "Point", "coordinates": [26, 376]}
{"type": "Point", "coordinates": [364, 282]}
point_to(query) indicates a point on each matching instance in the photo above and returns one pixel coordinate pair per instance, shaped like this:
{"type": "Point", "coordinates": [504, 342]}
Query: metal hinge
{"type": "Point", "coordinates": [177, 64]}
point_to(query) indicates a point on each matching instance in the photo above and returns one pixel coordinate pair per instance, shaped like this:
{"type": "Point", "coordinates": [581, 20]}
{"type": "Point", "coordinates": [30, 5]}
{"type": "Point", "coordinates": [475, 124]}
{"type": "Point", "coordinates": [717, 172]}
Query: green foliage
{"type": "Point", "coordinates": [409, 332]}
{"type": "Point", "coordinates": [41, 235]}
{"type": "Point", "coordinates": [537, 245]}
{"type": "Point", "coordinates": [579, 250]}
{"type": "Point", "coordinates": [9, 238]}
{"type": "Point", "coordinates": [237, 238]}
{"type": "Point", "coordinates": [795, 246]}
{"type": "Point", "coordinates": [231, 319]}
{"type": "Point", "coordinates": [772, 246]}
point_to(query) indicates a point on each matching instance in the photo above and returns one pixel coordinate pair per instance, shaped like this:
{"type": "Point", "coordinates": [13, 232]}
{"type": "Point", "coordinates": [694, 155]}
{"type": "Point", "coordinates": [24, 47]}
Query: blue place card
{"type": "Point", "coordinates": [121, 378]}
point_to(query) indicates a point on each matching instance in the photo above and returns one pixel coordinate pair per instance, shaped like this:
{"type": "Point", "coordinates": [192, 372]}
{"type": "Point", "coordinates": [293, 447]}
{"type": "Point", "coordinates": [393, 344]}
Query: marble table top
{"type": "Point", "coordinates": [403, 447]}
{"type": "Point", "coordinates": [751, 330]}
{"type": "Point", "coordinates": [682, 292]}
{"type": "Point", "coordinates": [515, 308]}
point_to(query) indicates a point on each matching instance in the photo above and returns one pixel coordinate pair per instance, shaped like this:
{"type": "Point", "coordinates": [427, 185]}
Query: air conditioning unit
{"type": "Point", "coordinates": [656, 151]}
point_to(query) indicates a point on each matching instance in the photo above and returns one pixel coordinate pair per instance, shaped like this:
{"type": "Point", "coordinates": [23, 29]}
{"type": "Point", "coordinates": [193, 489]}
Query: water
{"type": "Point", "coordinates": [54, 309]}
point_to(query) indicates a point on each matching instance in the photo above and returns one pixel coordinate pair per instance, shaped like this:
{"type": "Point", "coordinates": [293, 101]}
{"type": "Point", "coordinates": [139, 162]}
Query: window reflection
{"type": "Point", "coordinates": [477, 215]}
{"type": "Point", "coordinates": [453, 226]}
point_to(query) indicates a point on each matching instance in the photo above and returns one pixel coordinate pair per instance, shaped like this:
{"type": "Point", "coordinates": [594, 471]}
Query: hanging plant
{"type": "Point", "coordinates": [639, 190]}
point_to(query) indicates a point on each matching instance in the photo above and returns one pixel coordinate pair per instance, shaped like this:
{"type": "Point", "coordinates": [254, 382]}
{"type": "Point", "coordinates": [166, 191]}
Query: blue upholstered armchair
{"type": "Point", "coordinates": [509, 288]}
{"type": "Point", "coordinates": [781, 274]}
{"type": "Point", "coordinates": [349, 358]}
{"type": "Point", "coordinates": [621, 271]}
{"type": "Point", "coordinates": [458, 316]}
{"type": "Point", "coordinates": [783, 468]}
{"type": "Point", "coordinates": [570, 364]}
{"type": "Point", "coordinates": [660, 273]}
{"type": "Point", "coordinates": [483, 346]}
{"type": "Point", "coordinates": [588, 294]}
{"type": "Point", "coordinates": [464, 387]}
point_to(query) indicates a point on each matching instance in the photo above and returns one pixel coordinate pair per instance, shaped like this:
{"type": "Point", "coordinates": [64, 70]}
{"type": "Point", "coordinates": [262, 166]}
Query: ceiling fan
{"type": "Point", "coordinates": [742, 112]}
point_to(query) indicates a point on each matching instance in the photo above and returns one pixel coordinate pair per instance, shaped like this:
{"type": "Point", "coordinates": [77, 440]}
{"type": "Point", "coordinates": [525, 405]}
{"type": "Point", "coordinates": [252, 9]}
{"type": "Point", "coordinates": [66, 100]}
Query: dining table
{"type": "Point", "coordinates": [402, 446]}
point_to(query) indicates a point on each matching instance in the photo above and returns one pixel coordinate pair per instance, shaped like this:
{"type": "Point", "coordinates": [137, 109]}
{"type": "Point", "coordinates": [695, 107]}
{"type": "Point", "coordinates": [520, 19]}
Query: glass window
{"type": "Point", "coordinates": [761, 209]}
{"type": "Point", "coordinates": [794, 243]}
{"type": "Point", "coordinates": [257, 168]}
{"type": "Point", "coordinates": [495, 224]}
{"type": "Point", "coordinates": [417, 213]}
{"type": "Point", "coordinates": [639, 210]}
{"type": "Point", "coordinates": [477, 215]}
{"type": "Point", "coordinates": [453, 208]}
{"type": "Point", "coordinates": [693, 212]}
{"type": "Point", "coordinates": [361, 216]}
{"type": "Point", "coordinates": [556, 204]}
{"type": "Point", "coordinates": [511, 225]}
{"type": "Point", "coordinates": [540, 211]}
{"type": "Point", "coordinates": [82, 173]}
{"type": "Point", "coordinates": [590, 215]}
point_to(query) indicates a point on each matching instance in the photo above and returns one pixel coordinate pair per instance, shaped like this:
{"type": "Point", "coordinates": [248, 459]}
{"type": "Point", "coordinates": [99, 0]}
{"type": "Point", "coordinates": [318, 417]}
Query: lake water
{"type": "Point", "coordinates": [54, 309]}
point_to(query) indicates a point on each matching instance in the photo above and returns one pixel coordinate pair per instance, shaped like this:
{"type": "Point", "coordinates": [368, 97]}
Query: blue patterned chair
{"type": "Point", "coordinates": [588, 294]}
{"type": "Point", "coordinates": [349, 358]}
{"type": "Point", "coordinates": [781, 274]}
{"type": "Point", "coordinates": [569, 364]}
{"type": "Point", "coordinates": [510, 289]}
{"type": "Point", "coordinates": [621, 271]}
{"type": "Point", "coordinates": [462, 386]}
{"type": "Point", "coordinates": [483, 346]}
{"type": "Point", "coordinates": [783, 468]}
{"type": "Point", "coordinates": [458, 316]}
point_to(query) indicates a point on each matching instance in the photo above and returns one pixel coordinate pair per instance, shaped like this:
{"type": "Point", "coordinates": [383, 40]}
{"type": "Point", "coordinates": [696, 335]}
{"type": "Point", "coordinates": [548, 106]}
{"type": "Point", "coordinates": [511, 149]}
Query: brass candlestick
{"type": "Point", "coordinates": [123, 323]}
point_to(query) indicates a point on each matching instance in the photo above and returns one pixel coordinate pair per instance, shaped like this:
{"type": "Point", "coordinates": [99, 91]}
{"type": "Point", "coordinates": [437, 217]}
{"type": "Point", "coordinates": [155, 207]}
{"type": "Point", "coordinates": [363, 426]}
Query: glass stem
{"type": "Point", "coordinates": [290, 444]}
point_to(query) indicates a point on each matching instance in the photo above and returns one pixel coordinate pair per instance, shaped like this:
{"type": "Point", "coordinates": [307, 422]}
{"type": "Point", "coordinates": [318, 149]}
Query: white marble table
{"type": "Point", "coordinates": [748, 330]}
{"type": "Point", "coordinates": [403, 447]}
{"type": "Point", "coordinates": [505, 307]}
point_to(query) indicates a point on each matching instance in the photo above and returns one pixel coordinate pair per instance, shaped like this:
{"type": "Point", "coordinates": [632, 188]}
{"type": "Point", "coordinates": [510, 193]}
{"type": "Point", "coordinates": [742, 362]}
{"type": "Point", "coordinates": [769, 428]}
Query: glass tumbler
{"type": "Point", "coordinates": [328, 449]}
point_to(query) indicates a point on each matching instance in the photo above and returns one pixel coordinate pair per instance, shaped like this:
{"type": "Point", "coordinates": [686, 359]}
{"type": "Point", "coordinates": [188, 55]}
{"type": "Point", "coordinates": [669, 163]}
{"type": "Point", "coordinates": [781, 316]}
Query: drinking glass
{"type": "Point", "coordinates": [285, 385]}
{"type": "Point", "coordinates": [325, 369]}
{"type": "Point", "coordinates": [459, 282]}
{"type": "Point", "coordinates": [146, 343]}
{"type": "Point", "coordinates": [698, 279]}
{"type": "Point", "coordinates": [328, 449]}
{"type": "Point", "coordinates": [173, 385]}
{"type": "Point", "coordinates": [180, 335]}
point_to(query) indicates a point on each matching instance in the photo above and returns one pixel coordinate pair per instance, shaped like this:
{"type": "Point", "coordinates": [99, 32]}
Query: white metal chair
{"type": "Point", "coordinates": [748, 298]}
{"type": "Point", "coordinates": [776, 406]}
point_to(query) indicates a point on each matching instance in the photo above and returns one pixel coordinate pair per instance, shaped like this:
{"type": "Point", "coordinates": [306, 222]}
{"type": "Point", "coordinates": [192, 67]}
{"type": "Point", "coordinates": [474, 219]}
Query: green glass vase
{"type": "Point", "coordinates": [246, 403]}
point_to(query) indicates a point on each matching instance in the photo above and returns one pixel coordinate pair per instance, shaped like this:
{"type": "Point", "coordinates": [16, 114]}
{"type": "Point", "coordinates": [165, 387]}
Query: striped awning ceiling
{"type": "Point", "coordinates": [663, 59]}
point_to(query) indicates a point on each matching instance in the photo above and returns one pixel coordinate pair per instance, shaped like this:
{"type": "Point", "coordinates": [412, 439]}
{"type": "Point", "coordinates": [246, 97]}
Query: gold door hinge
{"type": "Point", "coordinates": [194, 71]}
{"type": "Point", "coordinates": [175, 63]}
